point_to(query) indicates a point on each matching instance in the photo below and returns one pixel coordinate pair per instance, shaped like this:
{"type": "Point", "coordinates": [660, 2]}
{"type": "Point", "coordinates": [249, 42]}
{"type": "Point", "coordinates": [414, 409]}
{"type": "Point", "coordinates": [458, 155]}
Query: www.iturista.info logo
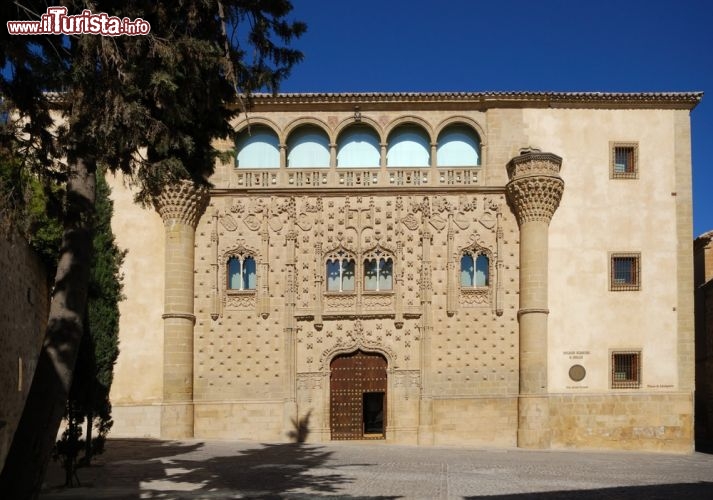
{"type": "Point", "coordinates": [57, 22]}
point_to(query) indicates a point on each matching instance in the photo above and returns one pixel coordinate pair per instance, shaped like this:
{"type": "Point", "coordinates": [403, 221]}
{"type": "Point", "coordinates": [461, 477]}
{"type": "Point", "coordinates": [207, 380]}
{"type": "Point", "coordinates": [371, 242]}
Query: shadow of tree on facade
{"type": "Point", "coordinates": [299, 435]}
{"type": "Point", "coordinates": [159, 470]}
{"type": "Point", "coordinates": [649, 492]}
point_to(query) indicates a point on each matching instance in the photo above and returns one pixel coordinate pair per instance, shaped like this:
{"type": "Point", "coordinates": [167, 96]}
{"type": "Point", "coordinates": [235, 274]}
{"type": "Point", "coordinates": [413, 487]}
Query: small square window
{"type": "Point", "coordinates": [624, 160]}
{"type": "Point", "coordinates": [625, 272]}
{"type": "Point", "coordinates": [626, 370]}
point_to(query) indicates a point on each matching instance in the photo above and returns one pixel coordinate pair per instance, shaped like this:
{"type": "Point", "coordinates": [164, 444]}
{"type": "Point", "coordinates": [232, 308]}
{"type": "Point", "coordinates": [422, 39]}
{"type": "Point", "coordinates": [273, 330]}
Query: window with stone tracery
{"type": "Point", "coordinates": [474, 269]}
{"type": "Point", "coordinates": [242, 273]}
{"type": "Point", "coordinates": [378, 271]}
{"type": "Point", "coordinates": [341, 271]}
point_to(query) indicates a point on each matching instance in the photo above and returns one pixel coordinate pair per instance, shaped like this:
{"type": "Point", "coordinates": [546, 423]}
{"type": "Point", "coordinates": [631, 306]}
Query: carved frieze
{"type": "Point", "coordinates": [339, 303]}
{"type": "Point", "coordinates": [407, 378]}
{"type": "Point", "coordinates": [241, 301]}
{"type": "Point", "coordinates": [471, 297]}
{"type": "Point", "coordinates": [310, 381]}
{"type": "Point", "coordinates": [356, 338]}
{"type": "Point", "coordinates": [379, 302]}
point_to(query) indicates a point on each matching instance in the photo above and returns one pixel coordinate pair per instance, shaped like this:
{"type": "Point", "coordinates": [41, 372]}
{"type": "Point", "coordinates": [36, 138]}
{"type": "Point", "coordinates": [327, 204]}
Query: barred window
{"type": "Point", "coordinates": [242, 273]}
{"type": "Point", "coordinates": [626, 370]}
{"type": "Point", "coordinates": [624, 160]}
{"type": "Point", "coordinates": [624, 273]}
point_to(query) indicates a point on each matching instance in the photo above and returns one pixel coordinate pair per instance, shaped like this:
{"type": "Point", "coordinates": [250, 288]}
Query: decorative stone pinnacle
{"type": "Point", "coordinates": [183, 202]}
{"type": "Point", "coordinates": [535, 187]}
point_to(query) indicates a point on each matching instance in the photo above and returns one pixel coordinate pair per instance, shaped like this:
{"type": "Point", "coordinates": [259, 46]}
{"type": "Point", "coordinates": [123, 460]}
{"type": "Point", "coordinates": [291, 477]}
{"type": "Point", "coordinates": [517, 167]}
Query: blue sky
{"type": "Point", "coordinates": [548, 45]}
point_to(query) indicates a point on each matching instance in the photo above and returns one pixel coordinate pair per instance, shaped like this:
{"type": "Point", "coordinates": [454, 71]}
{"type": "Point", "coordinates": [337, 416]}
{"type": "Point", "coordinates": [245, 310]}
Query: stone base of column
{"type": "Point", "coordinates": [533, 422]}
{"type": "Point", "coordinates": [176, 420]}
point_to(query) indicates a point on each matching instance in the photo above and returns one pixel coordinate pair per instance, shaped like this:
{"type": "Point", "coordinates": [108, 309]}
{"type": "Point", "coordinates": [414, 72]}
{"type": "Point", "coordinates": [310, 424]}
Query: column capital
{"type": "Point", "coordinates": [535, 187]}
{"type": "Point", "coordinates": [183, 202]}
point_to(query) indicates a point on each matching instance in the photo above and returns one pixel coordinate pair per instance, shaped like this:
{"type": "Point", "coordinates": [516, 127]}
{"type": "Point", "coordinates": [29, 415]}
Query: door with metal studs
{"type": "Point", "coordinates": [358, 396]}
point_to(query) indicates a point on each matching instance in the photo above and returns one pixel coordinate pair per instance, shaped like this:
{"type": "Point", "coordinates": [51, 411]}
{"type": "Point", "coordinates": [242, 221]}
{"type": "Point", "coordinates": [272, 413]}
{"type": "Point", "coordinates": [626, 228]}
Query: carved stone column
{"type": "Point", "coordinates": [451, 283]}
{"type": "Point", "coordinates": [534, 193]}
{"type": "Point", "coordinates": [180, 207]}
{"type": "Point", "coordinates": [425, 421]}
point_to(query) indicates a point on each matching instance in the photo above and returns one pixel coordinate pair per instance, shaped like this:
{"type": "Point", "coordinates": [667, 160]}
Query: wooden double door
{"type": "Point", "coordinates": [358, 396]}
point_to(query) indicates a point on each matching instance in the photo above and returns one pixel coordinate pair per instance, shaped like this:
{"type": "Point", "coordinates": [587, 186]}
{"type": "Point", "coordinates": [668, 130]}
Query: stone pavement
{"type": "Point", "coordinates": [132, 469]}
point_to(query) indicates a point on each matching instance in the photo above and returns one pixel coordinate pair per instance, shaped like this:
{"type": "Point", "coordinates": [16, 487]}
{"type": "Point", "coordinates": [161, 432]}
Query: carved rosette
{"type": "Point", "coordinates": [535, 187]}
{"type": "Point", "coordinates": [182, 203]}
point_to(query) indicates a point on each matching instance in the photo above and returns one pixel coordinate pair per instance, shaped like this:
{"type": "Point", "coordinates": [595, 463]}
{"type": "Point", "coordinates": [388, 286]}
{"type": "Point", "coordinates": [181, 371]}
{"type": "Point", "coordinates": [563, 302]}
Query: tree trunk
{"type": "Point", "coordinates": [36, 433]}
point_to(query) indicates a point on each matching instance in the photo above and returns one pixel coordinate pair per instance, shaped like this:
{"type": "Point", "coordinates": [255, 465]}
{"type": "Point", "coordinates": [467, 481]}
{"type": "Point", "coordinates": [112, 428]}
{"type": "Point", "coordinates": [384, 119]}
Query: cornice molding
{"type": "Point", "coordinates": [463, 100]}
{"type": "Point", "coordinates": [480, 100]}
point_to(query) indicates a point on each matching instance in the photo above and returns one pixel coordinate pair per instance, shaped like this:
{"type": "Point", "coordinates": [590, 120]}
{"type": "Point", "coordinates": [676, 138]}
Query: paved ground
{"type": "Point", "coordinates": [133, 469]}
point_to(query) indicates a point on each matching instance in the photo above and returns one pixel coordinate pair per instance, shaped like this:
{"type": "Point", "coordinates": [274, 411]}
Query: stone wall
{"type": "Point", "coordinates": [24, 306]}
{"type": "Point", "coordinates": [640, 422]}
{"type": "Point", "coordinates": [703, 261]}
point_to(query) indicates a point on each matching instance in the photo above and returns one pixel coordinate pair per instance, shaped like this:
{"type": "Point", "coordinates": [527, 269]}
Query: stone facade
{"type": "Point", "coordinates": [543, 352]}
{"type": "Point", "coordinates": [24, 307]}
{"type": "Point", "coordinates": [703, 261]}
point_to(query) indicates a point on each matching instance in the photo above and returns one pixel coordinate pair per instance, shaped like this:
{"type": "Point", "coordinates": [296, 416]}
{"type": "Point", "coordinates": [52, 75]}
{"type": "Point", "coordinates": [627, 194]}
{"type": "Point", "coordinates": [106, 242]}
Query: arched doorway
{"type": "Point", "coordinates": [358, 396]}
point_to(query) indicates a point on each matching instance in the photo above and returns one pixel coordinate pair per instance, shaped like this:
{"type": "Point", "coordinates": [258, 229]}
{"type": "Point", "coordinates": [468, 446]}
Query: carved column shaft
{"type": "Point", "coordinates": [451, 283]}
{"type": "Point", "coordinates": [499, 264]}
{"type": "Point", "coordinates": [534, 192]}
{"type": "Point", "coordinates": [263, 291]}
{"type": "Point", "coordinates": [318, 284]}
{"type": "Point", "coordinates": [180, 207]}
{"type": "Point", "coordinates": [425, 427]}
{"type": "Point", "coordinates": [399, 275]}
{"type": "Point", "coordinates": [290, 405]}
{"type": "Point", "coordinates": [215, 302]}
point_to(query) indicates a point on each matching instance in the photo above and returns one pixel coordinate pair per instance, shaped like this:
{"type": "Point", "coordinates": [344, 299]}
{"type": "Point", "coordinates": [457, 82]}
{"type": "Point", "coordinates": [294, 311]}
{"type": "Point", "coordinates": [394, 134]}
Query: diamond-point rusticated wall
{"type": "Point", "coordinates": [240, 354]}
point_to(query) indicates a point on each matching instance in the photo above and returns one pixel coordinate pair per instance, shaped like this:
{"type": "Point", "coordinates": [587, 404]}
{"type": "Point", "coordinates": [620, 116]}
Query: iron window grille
{"type": "Point", "coordinates": [626, 370]}
{"type": "Point", "coordinates": [624, 160]}
{"type": "Point", "coordinates": [625, 272]}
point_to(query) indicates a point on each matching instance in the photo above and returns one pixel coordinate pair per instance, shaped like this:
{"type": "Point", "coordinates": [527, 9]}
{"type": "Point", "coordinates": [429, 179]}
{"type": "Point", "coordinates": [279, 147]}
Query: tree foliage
{"type": "Point", "coordinates": [150, 106]}
{"type": "Point", "coordinates": [31, 206]}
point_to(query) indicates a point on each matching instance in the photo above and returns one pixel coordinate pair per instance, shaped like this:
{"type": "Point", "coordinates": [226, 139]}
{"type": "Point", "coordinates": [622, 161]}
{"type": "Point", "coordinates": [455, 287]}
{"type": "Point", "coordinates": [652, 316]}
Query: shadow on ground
{"type": "Point", "coordinates": [150, 469]}
{"type": "Point", "coordinates": [651, 492]}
